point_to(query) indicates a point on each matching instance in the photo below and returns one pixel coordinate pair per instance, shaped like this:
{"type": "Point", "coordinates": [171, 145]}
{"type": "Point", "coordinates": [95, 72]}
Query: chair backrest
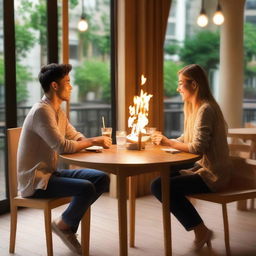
{"type": "Point", "coordinates": [13, 136]}
{"type": "Point", "coordinates": [244, 173]}
{"type": "Point", "coordinates": [240, 148]}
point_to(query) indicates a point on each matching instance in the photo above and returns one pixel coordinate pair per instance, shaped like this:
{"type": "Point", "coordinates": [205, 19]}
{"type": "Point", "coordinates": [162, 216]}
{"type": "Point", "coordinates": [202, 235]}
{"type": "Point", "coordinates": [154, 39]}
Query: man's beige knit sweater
{"type": "Point", "coordinates": [45, 134]}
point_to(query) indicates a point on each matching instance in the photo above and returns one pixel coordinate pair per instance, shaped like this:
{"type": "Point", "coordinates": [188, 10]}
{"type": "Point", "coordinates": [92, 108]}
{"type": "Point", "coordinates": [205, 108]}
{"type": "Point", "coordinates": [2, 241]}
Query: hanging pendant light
{"type": "Point", "coordinates": [202, 19]}
{"type": "Point", "coordinates": [83, 24]}
{"type": "Point", "coordinates": [218, 18]}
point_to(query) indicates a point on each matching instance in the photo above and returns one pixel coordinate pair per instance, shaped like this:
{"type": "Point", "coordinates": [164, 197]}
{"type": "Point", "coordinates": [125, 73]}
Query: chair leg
{"type": "Point", "coordinates": [226, 228]}
{"type": "Point", "coordinates": [48, 231]}
{"type": "Point", "coordinates": [13, 228]}
{"type": "Point", "coordinates": [85, 232]}
{"type": "Point", "coordinates": [252, 204]}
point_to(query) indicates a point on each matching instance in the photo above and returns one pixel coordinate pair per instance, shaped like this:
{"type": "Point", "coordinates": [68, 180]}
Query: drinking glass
{"type": "Point", "coordinates": [121, 139]}
{"type": "Point", "coordinates": [150, 131]}
{"type": "Point", "coordinates": [106, 131]}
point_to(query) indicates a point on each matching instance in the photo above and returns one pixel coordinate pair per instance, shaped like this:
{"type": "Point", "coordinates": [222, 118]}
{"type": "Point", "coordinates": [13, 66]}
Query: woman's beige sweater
{"type": "Point", "coordinates": [210, 140]}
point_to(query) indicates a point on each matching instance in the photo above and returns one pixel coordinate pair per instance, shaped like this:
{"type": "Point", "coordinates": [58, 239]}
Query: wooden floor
{"type": "Point", "coordinates": [149, 237]}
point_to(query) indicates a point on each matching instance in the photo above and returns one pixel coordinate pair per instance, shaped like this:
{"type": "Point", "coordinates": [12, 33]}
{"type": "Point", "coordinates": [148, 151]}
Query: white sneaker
{"type": "Point", "coordinates": [68, 237]}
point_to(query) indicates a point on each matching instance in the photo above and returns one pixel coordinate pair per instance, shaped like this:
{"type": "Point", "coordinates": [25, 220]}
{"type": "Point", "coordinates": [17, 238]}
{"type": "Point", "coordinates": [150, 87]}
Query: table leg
{"type": "Point", "coordinates": [132, 208]}
{"type": "Point", "coordinates": [166, 212]}
{"type": "Point", "coordinates": [122, 214]}
{"type": "Point", "coordinates": [85, 232]}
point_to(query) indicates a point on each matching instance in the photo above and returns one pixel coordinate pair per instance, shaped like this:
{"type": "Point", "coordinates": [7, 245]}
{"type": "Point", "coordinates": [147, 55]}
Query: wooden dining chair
{"type": "Point", "coordinates": [46, 205]}
{"type": "Point", "coordinates": [240, 148]}
{"type": "Point", "coordinates": [242, 186]}
{"type": "Point", "coordinates": [244, 149]}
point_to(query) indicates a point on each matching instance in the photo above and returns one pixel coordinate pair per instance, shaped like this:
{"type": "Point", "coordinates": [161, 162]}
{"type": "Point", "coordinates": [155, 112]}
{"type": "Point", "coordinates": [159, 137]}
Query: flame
{"type": "Point", "coordinates": [139, 113]}
{"type": "Point", "coordinates": [143, 79]}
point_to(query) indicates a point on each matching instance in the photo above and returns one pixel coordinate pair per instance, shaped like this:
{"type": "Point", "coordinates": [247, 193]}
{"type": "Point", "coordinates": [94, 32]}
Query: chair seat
{"type": "Point", "coordinates": [40, 203]}
{"type": "Point", "coordinates": [226, 196]}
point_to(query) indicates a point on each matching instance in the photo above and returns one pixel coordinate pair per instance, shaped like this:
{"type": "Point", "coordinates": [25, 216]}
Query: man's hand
{"type": "Point", "coordinates": [103, 141]}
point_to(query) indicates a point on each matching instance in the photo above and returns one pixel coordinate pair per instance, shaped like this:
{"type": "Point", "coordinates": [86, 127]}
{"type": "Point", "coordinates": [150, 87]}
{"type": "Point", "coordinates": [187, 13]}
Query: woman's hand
{"type": "Point", "coordinates": [165, 141]}
{"type": "Point", "coordinates": [157, 137]}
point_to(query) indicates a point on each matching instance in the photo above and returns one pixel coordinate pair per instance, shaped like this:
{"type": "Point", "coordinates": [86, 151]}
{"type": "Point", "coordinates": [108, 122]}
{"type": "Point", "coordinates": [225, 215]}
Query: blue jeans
{"type": "Point", "coordinates": [180, 187]}
{"type": "Point", "coordinates": [84, 185]}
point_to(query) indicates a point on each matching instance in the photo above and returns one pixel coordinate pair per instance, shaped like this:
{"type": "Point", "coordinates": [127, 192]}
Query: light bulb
{"type": "Point", "coordinates": [82, 25]}
{"type": "Point", "coordinates": [218, 18]}
{"type": "Point", "coordinates": [202, 20]}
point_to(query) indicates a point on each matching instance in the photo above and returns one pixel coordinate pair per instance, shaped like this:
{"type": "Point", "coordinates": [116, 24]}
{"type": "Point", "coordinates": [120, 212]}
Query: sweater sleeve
{"type": "Point", "coordinates": [71, 132]}
{"type": "Point", "coordinates": [202, 130]}
{"type": "Point", "coordinates": [45, 125]}
{"type": "Point", "coordinates": [181, 138]}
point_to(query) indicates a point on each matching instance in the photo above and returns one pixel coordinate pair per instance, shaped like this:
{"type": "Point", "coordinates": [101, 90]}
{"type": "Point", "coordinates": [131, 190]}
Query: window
{"type": "Point", "coordinates": [2, 111]}
{"type": "Point", "coordinates": [251, 4]}
{"type": "Point", "coordinates": [249, 101]}
{"type": "Point", "coordinates": [31, 52]}
{"type": "Point", "coordinates": [90, 58]}
{"type": "Point", "coordinates": [189, 44]}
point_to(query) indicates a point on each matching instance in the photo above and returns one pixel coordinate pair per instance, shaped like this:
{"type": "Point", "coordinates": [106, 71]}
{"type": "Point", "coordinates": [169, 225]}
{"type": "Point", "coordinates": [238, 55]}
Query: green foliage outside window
{"type": "Point", "coordinates": [22, 77]}
{"type": "Point", "coordinates": [170, 78]}
{"type": "Point", "coordinates": [202, 49]}
{"type": "Point", "coordinates": [93, 76]}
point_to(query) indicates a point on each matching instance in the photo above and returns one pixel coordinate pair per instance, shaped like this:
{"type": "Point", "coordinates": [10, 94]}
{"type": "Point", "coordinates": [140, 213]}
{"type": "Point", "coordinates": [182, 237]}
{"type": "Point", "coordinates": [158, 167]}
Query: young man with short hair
{"type": "Point", "coordinates": [46, 132]}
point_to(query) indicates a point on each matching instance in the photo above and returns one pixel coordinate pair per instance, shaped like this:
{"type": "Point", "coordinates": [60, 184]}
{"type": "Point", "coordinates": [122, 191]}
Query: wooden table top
{"type": "Point", "coordinates": [114, 157]}
{"type": "Point", "coordinates": [243, 133]}
{"type": "Point", "coordinates": [251, 131]}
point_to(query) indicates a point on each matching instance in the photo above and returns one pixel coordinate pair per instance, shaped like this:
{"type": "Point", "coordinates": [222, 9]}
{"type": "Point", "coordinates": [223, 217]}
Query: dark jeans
{"type": "Point", "coordinates": [180, 187]}
{"type": "Point", "coordinates": [84, 185]}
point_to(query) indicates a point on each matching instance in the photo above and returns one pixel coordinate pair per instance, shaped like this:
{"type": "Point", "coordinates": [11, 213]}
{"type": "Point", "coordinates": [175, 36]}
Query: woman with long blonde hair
{"type": "Point", "coordinates": [205, 133]}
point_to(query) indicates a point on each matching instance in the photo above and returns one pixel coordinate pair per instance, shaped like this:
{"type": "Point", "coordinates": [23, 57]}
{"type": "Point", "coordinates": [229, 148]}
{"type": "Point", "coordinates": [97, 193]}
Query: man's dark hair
{"type": "Point", "coordinates": [52, 73]}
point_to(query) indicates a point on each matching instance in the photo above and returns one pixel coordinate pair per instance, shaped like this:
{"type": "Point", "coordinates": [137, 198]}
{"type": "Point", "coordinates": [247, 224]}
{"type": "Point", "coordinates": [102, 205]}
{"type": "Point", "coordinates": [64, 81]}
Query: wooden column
{"type": "Point", "coordinates": [52, 31]}
{"type": "Point", "coordinates": [65, 41]}
{"type": "Point", "coordinates": [65, 32]}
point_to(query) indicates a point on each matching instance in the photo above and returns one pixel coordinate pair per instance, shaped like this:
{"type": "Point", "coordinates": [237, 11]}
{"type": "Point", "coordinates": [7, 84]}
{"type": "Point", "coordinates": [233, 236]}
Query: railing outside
{"type": "Point", "coordinates": [87, 118]}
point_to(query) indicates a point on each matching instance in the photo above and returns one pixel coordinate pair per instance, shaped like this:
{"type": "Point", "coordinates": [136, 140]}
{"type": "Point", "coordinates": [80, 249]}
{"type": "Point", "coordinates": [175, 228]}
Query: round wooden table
{"type": "Point", "coordinates": [127, 163]}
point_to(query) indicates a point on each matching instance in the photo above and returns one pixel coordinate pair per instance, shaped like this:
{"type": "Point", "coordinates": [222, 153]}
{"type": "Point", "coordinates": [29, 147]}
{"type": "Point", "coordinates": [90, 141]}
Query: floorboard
{"type": "Point", "coordinates": [149, 237]}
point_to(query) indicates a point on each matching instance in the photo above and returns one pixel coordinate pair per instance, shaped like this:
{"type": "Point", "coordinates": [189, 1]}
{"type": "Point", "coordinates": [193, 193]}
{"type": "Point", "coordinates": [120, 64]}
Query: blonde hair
{"type": "Point", "coordinates": [195, 73]}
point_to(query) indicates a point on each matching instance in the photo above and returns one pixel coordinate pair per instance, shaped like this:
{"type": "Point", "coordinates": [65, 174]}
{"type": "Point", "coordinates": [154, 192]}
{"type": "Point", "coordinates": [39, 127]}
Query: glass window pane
{"type": "Point", "coordinates": [31, 52]}
{"type": "Point", "coordinates": [2, 110]}
{"type": "Point", "coordinates": [249, 105]}
{"type": "Point", "coordinates": [89, 54]}
{"type": "Point", "coordinates": [187, 43]}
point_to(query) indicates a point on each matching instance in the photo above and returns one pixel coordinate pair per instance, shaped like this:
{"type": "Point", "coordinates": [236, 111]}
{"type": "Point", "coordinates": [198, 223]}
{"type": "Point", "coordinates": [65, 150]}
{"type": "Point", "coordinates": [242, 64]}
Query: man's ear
{"type": "Point", "coordinates": [54, 85]}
